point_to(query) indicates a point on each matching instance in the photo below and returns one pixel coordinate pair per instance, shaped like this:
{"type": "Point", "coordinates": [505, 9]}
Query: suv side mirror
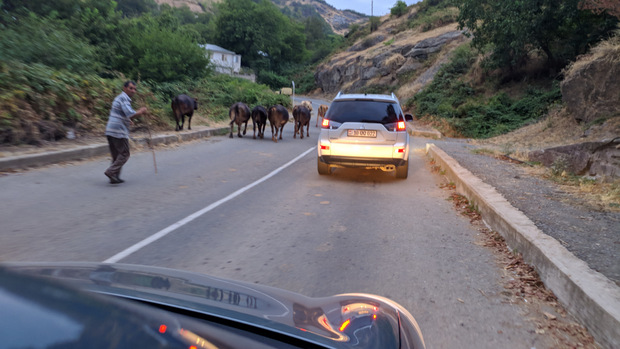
{"type": "Point", "coordinates": [408, 117]}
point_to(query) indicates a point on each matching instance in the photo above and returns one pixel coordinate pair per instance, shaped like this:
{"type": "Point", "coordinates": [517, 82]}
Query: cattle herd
{"type": "Point", "coordinates": [240, 114]}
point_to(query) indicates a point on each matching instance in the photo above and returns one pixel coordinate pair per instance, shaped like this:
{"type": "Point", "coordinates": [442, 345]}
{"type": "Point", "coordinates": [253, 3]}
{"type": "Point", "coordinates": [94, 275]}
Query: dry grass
{"type": "Point", "coordinates": [606, 51]}
{"type": "Point", "coordinates": [557, 129]}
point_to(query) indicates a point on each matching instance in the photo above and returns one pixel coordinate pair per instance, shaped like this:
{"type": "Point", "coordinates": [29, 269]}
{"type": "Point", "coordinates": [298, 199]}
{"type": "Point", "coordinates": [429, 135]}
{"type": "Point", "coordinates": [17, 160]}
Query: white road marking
{"type": "Point", "coordinates": [160, 234]}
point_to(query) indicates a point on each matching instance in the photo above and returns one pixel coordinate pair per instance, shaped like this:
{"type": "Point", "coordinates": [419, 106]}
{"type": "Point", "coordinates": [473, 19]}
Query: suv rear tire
{"type": "Point", "coordinates": [322, 167]}
{"type": "Point", "coordinates": [402, 171]}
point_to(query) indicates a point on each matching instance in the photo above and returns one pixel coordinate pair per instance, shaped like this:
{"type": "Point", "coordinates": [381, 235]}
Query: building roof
{"type": "Point", "coordinates": [215, 48]}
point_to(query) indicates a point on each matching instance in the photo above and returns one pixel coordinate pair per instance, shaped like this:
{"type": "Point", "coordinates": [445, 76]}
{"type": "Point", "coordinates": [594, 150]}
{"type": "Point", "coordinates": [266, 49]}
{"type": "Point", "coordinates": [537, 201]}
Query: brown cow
{"type": "Point", "coordinates": [307, 104]}
{"type": "Point", "coordinates": [278, 117]}
{"type": "Point", "coordinates": [301, 115]}
{"type": "Point", "coordinates": [239, 113]}
{"type": "Point", "coordinates": [184, 105]}
{"type": "Point", "coordinates": [321, 114]}
{"type": "Point", "coordinates": [259, 118]}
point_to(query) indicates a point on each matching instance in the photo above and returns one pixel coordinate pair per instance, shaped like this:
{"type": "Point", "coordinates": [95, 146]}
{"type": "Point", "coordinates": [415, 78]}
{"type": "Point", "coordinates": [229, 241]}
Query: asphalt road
{"type": "Point", "coordinates": [258, 211]}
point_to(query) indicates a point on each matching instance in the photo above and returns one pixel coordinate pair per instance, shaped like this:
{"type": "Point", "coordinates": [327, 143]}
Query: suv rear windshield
{"type": "Point", "coordinates": [365, 111]}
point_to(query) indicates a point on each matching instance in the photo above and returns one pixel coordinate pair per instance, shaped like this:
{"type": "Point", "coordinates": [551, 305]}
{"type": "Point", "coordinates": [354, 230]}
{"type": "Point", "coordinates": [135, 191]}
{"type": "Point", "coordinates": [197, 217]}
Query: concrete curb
{"type": "Point", "coordinates": [432, 134]}
{"type": "Point", "coordinates": [89, 151]}
{"type": "Point", "coordinates": [587, 294]}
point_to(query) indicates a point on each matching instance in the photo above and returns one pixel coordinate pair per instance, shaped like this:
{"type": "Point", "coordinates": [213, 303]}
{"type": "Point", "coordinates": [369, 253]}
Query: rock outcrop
{"type": "Point", "coordinates": [595, 159]}
{"type": "Point", "coordinates": [375, 60]}
{"type": "Point", "coordinates": [591, 89]}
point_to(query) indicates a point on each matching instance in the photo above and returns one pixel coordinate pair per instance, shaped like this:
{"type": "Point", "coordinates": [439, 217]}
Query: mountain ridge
{"type": "Point", "coordinates": [338, 20]}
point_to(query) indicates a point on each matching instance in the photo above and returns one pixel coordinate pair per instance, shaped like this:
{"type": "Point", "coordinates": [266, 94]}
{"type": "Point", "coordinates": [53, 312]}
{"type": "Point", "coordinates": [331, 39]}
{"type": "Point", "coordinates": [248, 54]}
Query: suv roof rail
{"type": "Point", "coordinates": [339, 93]}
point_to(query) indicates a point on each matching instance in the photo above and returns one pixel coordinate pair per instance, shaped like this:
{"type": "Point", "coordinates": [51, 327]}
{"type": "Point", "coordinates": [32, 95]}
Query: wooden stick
{"type": "Point", "coordinates": [152, 148]}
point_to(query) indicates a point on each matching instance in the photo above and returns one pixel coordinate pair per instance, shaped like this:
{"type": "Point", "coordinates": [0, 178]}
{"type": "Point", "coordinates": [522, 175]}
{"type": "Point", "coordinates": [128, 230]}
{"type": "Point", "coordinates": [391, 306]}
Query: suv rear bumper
{"type": "Point", "coordinates": [342, 161]}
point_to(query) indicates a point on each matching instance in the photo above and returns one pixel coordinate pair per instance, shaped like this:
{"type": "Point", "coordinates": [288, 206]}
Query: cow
{"type": "Point", "coordinates": [301, 115]}
{"type": "Point", "coordinates": [184, 105]}
{"type": "Point", "coordinates": [307, 104]}
{"type": "Point", "coordinates": [278, 117]}
{"type": "Point", "coordinates": [321, 114]}
{"type": "Point", "coordinates": [239, 113]}
{"type": "Point", "coordinates": [259, 118]}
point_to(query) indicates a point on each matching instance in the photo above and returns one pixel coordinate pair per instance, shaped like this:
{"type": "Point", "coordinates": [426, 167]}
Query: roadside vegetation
{"type": "Point", "coordinates": [62, 62]}
{"type": "Point", "coordinates": [509, 74]}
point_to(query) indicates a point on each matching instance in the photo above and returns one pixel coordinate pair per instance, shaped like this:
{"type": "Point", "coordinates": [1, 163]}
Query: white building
{"type": "Point", "coordinates": [225, 62]}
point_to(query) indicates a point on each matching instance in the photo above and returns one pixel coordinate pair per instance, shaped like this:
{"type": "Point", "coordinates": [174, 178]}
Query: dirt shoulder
{"type": "Point", "coordinates": [586, 230]}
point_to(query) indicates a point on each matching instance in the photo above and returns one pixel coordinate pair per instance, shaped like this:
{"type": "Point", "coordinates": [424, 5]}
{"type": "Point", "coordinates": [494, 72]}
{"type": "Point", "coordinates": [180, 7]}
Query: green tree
{"type": "Point", "coordinates": [399, 9]}
{"type": "Point", "coordinates": [516, 29]}
{"type": "Point", "coordinates": [260, 33]}
{"type": "Point", "coordinates": [162, 51]}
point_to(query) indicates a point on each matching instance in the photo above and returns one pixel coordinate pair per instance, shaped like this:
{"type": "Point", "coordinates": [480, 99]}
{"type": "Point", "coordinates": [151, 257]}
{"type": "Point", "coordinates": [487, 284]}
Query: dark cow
{"type": "Point", "coordinates": [184, 105]}
{"type": "Point", "coordinates": [239, 114]}
{"type": "Point", "coordinates": [278, 117]}
{"type": "Point", "coordinates": [301, 115]}
{"type": "Point", "coordinates": [321, 114]}
{"type": "Point", "coordinates": [259, 118]}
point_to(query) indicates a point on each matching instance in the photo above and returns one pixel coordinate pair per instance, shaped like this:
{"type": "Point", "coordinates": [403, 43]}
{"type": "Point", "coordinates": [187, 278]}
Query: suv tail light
{"type": "Point", "coordinates": [401, 126]}
{"type": "Point", "coordinates": [325, 123]}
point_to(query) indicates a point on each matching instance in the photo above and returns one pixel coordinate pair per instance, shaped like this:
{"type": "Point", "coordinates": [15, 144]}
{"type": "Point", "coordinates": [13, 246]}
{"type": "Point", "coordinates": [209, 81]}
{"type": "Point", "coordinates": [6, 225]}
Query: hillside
{"type": "Point", "coordinates": [581, 134]}
{"type": "Point", "coordinates": [338, 20]}
{"type": "Point", "coordinates": [575, 123]}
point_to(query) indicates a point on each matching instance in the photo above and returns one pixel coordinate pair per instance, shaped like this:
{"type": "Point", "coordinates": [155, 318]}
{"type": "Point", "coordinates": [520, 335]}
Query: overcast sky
{"type": "Point", "coordinates": [380, 7]}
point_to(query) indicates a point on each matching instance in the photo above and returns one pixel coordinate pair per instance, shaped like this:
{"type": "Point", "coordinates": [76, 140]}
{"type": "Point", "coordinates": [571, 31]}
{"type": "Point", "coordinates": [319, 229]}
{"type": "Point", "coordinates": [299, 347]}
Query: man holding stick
{"type": "Point", "coordinates": [117, 130]}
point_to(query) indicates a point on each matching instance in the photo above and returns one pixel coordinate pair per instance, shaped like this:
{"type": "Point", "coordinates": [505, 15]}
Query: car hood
{"type": "Point", "coordinates": [353, 320]}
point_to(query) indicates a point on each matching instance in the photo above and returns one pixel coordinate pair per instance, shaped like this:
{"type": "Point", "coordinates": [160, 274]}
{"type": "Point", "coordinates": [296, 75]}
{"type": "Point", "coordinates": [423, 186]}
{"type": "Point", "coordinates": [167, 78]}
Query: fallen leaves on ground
{"type": "Point", "coordinates": [524, 285]}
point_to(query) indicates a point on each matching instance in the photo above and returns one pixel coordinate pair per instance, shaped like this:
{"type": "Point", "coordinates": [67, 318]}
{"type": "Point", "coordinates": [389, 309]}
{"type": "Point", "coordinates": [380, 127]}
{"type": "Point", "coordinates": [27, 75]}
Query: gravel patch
{"type": "Point", "coordinates": [592, 236]}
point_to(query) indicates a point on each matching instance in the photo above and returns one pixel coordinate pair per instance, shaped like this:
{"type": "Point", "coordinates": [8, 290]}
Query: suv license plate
{"type": "Point", "coordinates": [362, 133]}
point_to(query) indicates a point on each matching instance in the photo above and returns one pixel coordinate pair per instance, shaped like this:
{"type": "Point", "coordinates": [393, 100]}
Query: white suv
{"type": "Point", "coordinates": [364, 131]}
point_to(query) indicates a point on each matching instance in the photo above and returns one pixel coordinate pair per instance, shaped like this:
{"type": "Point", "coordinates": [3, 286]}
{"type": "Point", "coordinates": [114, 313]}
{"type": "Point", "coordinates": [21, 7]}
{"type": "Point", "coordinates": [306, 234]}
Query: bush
{"type": "Point", "coordinates": [40, 103]}
{"type": "Point", "coordinates": [163, 54]}
{"type": "Point", "coordinates": [374, 23]}
{"type": "Point", "coordinates": [272, 79]}
{"type": "Point", "coordinates": [35, 40]}
{"type": "Point", "coordinates": [432, 14]}
{"type": "Point", "coordinates": [399, 9]}
{"type": "Point", "coordinates": [472, 114]}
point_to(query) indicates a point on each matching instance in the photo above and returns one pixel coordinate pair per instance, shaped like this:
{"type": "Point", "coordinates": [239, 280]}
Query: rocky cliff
{"type": "Point", "coordinates": [405, 60]}
{"type": "Point", "coordinates": [591, 87]}
{"type": "Point", "coordinates": [591, 94]}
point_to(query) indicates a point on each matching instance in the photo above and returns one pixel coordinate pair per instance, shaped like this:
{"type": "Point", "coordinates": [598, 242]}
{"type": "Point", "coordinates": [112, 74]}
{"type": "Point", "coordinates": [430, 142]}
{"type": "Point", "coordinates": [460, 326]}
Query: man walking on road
{"type": "Point", "coordinates": [117, 130]}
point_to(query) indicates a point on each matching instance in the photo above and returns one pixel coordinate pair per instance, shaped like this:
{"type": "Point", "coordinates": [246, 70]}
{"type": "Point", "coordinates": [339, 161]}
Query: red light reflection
{"type": "Point", "coordinates": [162, 328]}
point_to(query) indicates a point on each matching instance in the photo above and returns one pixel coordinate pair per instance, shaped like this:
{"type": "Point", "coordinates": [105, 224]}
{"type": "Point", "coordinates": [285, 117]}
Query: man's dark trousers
{"type": "Point", "coordinates": [119, 148]}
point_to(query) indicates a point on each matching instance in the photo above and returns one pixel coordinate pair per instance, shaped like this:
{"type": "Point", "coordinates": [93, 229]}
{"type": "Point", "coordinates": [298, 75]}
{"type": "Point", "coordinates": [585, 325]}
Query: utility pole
{"type": "Point", "coordinates": [371, 8]}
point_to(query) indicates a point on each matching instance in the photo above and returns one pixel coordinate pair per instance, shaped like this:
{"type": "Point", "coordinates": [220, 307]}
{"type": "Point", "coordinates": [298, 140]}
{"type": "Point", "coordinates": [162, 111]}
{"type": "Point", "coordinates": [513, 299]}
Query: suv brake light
{"type": "Point", "coordinates": [401, 126]}
{"type": "Point", "coordinates": [325, 123]}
